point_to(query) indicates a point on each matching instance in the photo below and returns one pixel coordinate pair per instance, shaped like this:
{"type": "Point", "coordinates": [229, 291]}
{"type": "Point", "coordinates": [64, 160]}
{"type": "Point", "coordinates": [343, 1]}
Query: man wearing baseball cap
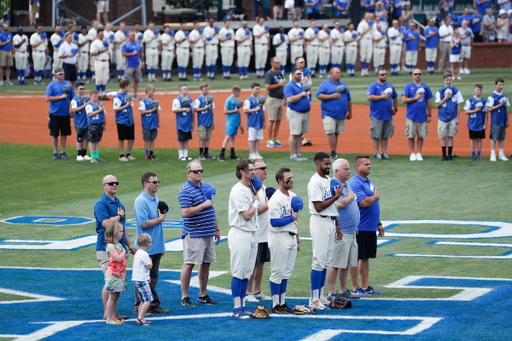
{"type": "Point", "coordinates": [383, 106]}
{"type": "Point", "coordinates": [59, 93]}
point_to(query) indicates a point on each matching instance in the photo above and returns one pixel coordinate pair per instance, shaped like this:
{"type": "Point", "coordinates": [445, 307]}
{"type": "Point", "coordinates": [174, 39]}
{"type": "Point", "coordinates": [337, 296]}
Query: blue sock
{"type": "Point", "coordinates": [103, 87]}
{"type": "Point", "coordinates": [122, 72]}
{"type": "Point", "coordinates": [282, 290]}
{"type": "Point", "coordinates": [147, 151]}
{"type": "Point", "coordinates": [93, 73]}
{"type": "Point", "coordinates": [322, 281]}
{"type": "Point", "coordinates": [240, 70]}
{"type": "Point", "coordinates": [275, 289]}
{"type": "Point", "coordinates": [243, 290]}
{"type": "Point", "coordinates": [472, 153]}
{"type": "Point", "coordinates": [316, 279]}
{"type": "Point", "coordinates": [236, 287]}
{"type": "Point", "coordinates": [478, 153]}
{"type": "Point", "coordinates": [98, 88]}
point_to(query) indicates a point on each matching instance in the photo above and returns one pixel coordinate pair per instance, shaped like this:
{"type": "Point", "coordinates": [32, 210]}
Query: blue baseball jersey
{"type": "Point", "coordinates": [369, 216]}
{"type": "Point", "coordinates": [348, 216]}
{"type": "Point", "coordinates": [79, 117]}
{"type": "Point", "coordinates": [417, 110]}
{"type": "Point", "coordinates": [3, 38]}
{"type": "Point", "coordinates": [255, 119]}
{"type": "Point", "coordinates": [204, 117]}
{"type": "Point", "coordinates": [433, 41]}
{"type": "Point", "coordinates": [448, 111]}
{"type": "Point", "coordinates": [183, 119]}
{"type": "Point", "coordinates": [498, 116]}
{"type": "Point", "coordinates": [104, 209]}
{"type": "Point", "coordinates": [476, 120]}
{"type": "Point", "coordinates": [132, 61]}
{"type": "Point", "coordinates": [124, 116]}
{"type": "Point", "coordinates": [202, 224]}
{"type": "Point", "coordinates": [412, 45]}
{"type": "Point", "coordinates": [96, 119]}
{"type": "Point", "coordinates": [60, 107]}
{"type": "Point", "coordinates": [335, 108]}
{"type": "Point", "coordinates": [149, 120]}
{"type": "Point", "coordinates": [476, 23]}
{"type": "Point", "coordinates": [232, 120]}
{"type": "Point", "coordinates": [383, 109]}
{"type": "Point", "coordinates": [292, 89]}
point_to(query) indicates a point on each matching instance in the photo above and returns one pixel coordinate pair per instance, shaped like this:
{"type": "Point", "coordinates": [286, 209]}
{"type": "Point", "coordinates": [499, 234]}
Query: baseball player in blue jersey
{"type": "Point", "coordinates": [124, 121]}
{"type": "Point", "coordinates": [431, 42]}
{"type": "Point", "coordinates": [78, 104]}
{"type": "Point", "coordinates": [150, 122]}
{"type": "Point", "coordinates": [498, 103]}
{"type": "Point", "coordinates": [477, 121]}
{"type": "Point", "coordinates": [242, 216]}
{"type": "Point", "coordinates": [323, 226]}
{"type": "Point", "coordinates": [204, 106]}
{"type": "Point", "coordinates": [184, 121]}
{"type": "Point", "coordinates": [412, 39]}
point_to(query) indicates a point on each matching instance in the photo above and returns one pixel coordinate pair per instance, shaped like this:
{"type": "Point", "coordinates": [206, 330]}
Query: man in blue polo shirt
{"type": "Point", "coordinates": [200, 231]}
{"type": "Point", "coordinates": [134, 53]}
{"type": "Point", "coordinates": [431, 42]}
{"type": "Point", "coordinates": [108, 208]}
{"type": "Point", "coordinates": [297, 113]}
{"type": "Point", "coordinates": [6, 54]}
{"type": "Point", "coordinates": [60, 121]}
{"type": "Point", "coordinates": [336, 107]}
{"type": "Point", "coordinates": [367, 198]}
{"type": "Point", "coordinates": [383, 106]}
{"type": "Point", "coordinates": [417, 96]}
{"type": "Point", "coordinates": [149, 220]}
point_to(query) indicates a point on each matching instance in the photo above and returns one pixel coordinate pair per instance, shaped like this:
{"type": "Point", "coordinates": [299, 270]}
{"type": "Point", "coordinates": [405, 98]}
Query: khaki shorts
{"type": "Point", "coordinates": [298, 122]}
{"type": "Point", "coordinates": [6, 58]}
{"type": "Point", "coordinates": [446, 129]}
{"type": "Point", "coordinates": [34, 7]}
{"type": "Point", "coordinates": [102, 6]}
{"type": "Point", "coordinates": [275, 108]}
{"type": "Point", "coordinates": [466, 52]}
{"type": "Point", "coordinates": [345, 252]}
{"type": "Point", "coordinates": [204, 133]}
{"type": "Point", "coordinates": [103, 259]}
{"type": "Point", "coordinates": [333, 125]}
{"type": "Point", "coordinates": [198, 250]}
{"type": "Point", "coordinates": [415, 128]}
{"type": "Point", "coordinates": [381, 129]}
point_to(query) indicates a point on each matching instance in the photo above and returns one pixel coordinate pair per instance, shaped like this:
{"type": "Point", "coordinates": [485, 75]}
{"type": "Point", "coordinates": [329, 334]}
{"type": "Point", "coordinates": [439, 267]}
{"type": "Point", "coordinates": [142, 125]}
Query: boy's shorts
{"type": "Point", "coordinates": [125, 132]}
{"type": "Point", "coordinates": [184, 135]}
{"type": "Point", "coordinates": [476, 134]}
{"type": "Point", "coordinates": [94, 132]}
{"type": "Point", "coordinates": [231, 131]}
{"type": "Point", "coordinates": [204, 133]}
{"type": "Point", "coordinates": [81, 134]}
{"type": "Point", "coordinates": [255, 134]}
{"type": "Point", "coordinates": [149, 134]}
{"type": "Point", "coordinates": [497, 133]}
{"type": "Point", "coordinates": [446, 129]}
{"type": "Point", "coordinates": [143, 291]}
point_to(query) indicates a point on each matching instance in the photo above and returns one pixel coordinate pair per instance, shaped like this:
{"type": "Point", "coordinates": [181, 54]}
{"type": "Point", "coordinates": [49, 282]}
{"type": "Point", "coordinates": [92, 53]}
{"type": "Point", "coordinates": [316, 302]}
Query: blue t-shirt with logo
{"type": "Point", "coordinates": [149, 120]}
{"type": "Point", "coordinates": [96, 119]}
{"type": "Point", "coordinates": [3, 38]}
{"type": "Point", "coordinates": [476, 26]}
{"type": "Point", "coordinates": [132, 61]}
{"type": "Point", "coordinates": [184, 119]}
{"type": "Point", "coordinates": [417, 110]}
{"type": "Point", "coordinates": [476, 120]}
{"type": "Point", "coordinates": [431, 42]}
{"type": "Point", "coordinates": [255, 119]}
{"type": "Point", "coordinates": [80, 117]}
{"type": "Point", "coordinates": [383, 109]}
{"type": "Point", "coordinates": [448, 111]}
{"type": "Point", "coordinates": [292, 89]}
{"type": "Point", "coordinates": [124, 116]}
{"type": "Point", "coordinates": [412, 45]}
{"type": "Point", "coordinates": [204, 117]}
{"type": "Point", "coordinates": [60, 107]}
{"type": "Point", "coordinates": [369, 216]}
{"type": "Point", "coordinates": [335, 108]}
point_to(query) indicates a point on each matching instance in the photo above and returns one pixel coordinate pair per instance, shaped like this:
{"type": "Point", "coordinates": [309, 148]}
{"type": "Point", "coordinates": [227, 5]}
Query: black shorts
{"type": "Point", "coordinates": [476, 134]}
{"type": "Point", "coordinates": [69, 72]}
{"type": "Point", "coordinates": [59, 124]}
{"type": "Point", "coordinates": [94, 132]}
{"type": "Point", "coordinates": [184, 136]}
{"type": "Point", "coordinates": [299, 3]}
{"type": "Point", "coordinates": [125, 132]}
{"type": "Point", "coordinates": [263, 255]}
{"type": "Point", "coordinates": [367, 244]}
{"type": "Point", "coordinates": [81, 134]}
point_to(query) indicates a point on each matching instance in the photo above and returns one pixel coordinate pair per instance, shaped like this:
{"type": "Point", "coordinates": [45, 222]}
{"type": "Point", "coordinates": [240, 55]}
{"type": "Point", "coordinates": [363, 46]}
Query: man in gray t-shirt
{"type": "Point", "coordinates": [466, 35]}
{"type": "Point", "coordinates": [274, 84]}
{"type": "Point", "coordinates": [489, 23]}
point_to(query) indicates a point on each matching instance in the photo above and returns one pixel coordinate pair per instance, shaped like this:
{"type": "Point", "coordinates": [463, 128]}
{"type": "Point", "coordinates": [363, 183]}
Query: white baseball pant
{"type": "Point", "coordinates": [211, 55]}
{"type": "Point", "coordinates": [296, 51]}
{"type": "Point", "coordinates": [167, 59]}
{"type": "Point", "coordinates": [351, 55]}
{"type": "Point", "coordinates": [281, 54]}
{"type": "Point", "coordinates": [198, 57]}
{"type": "Point", "coordinates": [120, 60]}
{"type": "Point", "coordinates": [430, 54]}
{"type": "Point", "coordinates": [227, 55]}
{"type": "Point", "coordinates": [21, 60]}
{"type": "Point", "coordinates": [312, 56]}
{"type": "Point", "coordinates": [39, 60]}
{"type": "Point", "coordinates": [102, 70]}
{"type": "Point", "coordinates": [366, 50]}
{"type": "Point", "coordinates": [337, 55]}
{"type": "Point", "coordinates": [283, 252]}
{"type": "Point", "coordinates": [395, 51]}
{"type": "Point", "coordinates": [151, 58]}
{"type": "Point", "coordinates": [242, 252]}
{"type": "Point", "coordinates": [244, 56]}
{"type": "Point", "coordinates": [324, 56]}
{"type": "Point", "coordinates": [260, 58]}
{"type": "Point", "coordinates": [379, 56]}
{"type": "Point", "coordinates": [57, 62]}
{"type": "Point", "coordinates": [323, 233]}
{"type": "Point", "coordinates": [411, 57]}
{"type": "Point", "coordinates": [182, 56]}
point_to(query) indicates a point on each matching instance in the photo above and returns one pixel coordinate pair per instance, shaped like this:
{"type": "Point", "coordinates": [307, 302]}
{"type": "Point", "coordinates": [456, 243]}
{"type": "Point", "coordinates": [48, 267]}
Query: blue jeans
{"type": "Point", "coordinates": [262, 5]}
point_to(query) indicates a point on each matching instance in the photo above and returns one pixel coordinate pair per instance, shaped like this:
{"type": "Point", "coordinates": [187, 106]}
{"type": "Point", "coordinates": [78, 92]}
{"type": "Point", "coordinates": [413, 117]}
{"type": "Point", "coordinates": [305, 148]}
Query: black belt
{"type": "Point", "coordinates": [328, 216]}
{"type": "Point", "coordinates": [445, 42]}
{"type": "Point", "coordinates": [262, 44]}
{"type": "Point", "coordinates": [68, 64]}
{"type": "Point", "coordinates": [290, 233]}
{"type": "Point", "coordinates": [183, 48]}
{"type": "Point", "coordinates": [276, 97]}
{"type": "Point", "coordinates": [106, 60]}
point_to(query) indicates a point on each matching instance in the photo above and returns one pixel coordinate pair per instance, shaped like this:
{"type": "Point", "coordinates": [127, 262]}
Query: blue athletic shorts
{"type": "Point", "coordinates": [143, 291]}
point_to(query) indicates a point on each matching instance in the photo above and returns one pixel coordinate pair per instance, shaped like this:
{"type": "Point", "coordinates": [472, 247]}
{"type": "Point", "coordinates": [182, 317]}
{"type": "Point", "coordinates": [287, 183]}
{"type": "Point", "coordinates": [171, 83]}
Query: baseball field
{"type": "Point", "coordinates": [443, 264]}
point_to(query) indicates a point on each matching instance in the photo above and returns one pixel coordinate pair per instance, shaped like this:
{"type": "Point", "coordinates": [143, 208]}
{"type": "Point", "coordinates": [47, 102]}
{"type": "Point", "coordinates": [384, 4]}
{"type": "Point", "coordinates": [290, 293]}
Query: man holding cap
{"type": "Point", "coordinates": [99, 51]}
{"type": "Point", "coordinates": [20, 42]}
{"type": "Point", "coordinates": [67, 53]}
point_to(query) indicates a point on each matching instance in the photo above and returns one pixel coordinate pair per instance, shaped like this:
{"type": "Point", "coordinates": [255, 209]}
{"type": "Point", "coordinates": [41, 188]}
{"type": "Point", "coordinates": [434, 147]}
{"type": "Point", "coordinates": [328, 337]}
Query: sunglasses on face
{"type": "Point", "coordinates": [156, 182]}
{"type": "Point", "coordinates": [197, 171]}
{"type": "Point", "coordinates": [261, 168]}
{"type": "Point", "coordinates": [112, 183]}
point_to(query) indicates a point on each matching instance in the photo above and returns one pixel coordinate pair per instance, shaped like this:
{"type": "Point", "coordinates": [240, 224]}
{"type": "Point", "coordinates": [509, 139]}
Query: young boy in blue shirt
{"type": "Point", "coordinates": [184, 121]}
{"type": "Point", "coordinates": [95, 125]}
{"type": "Point", "coordinates": [150, 122]}
{"type": "Point", "coordinates": [80, 119]}
{"type": "Point", "coordinates": [124, 121]}
{"type": "Point", "coordinates": [233, 123]}
{"type": "Point", "coordinates": [477, 121]}
{"type": "Point", "coordinates": [497, 104]}
{"type": "Point", "coordinates": [205, 123]}
{"type": "Point", "coordinates": [255, 122]}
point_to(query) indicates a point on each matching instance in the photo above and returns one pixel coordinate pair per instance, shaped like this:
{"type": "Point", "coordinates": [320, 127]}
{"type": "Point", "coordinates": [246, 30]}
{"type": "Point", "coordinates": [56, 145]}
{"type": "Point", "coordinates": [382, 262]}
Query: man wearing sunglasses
{"type": "Point", "coordinates": [149, 220]}
{"type": "Point", "coordinates": [199, 234]}
{"type": "Point", "coordinates": [108, 208]}
{"type": "Point", "coordinates": [274, 84]}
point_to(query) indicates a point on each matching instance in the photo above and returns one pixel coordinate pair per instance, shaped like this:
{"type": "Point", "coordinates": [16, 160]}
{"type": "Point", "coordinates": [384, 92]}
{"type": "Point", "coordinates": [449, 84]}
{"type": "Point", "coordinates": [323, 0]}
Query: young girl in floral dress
{"type": "Point", "coordinates": [115, 278]}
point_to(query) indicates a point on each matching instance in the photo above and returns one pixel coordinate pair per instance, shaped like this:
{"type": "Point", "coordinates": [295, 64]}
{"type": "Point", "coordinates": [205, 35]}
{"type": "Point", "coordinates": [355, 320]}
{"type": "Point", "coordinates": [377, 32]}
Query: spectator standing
{"type": "Point", "coordinates": [502, 25]}
{"type": "Point", "coordinates": [6, 54]}
{"type": "Point", "coordinates": [489, 23]}
{"type": "Point", "coordinates": [407, 14]}
{"type": "Point", "coordinates": [102, 7]}
{"type": "Point", "coordinates": [431, 33]}
{"type": "Point", "coordinates": [446, 35]}
{"type": "Point", "coordinates": [34, 10]}
{"type": "Point", "coordinates": [274, 84]}
{"type": "Point", "coordinates": [476, 26]}
{"type": "Point", "coordinates": [482, 6]}
{"type": "Point", "coordinates": [342, 8]}
{"type": "Point", "coordinates": [455, 54]}
{"type": "Point", "coordinates": [445, 7]}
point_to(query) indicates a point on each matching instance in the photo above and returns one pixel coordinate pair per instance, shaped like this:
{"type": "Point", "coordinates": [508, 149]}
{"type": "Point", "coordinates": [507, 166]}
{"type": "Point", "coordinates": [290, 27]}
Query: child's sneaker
{"type": "Point", "coordinates": [234, 157]}
{"type": "Point", "coordinates": [270, 144]}
{"type": "Point", "coordinates": [148, 157]}
{"type": "Point", "coordinates": [502, 157]}
{"type": "Point", "coordinates": [221, 157]}
{"type": "Point", "coordinates": [493, 157]}
{"type": "Point", "coordinates": [278, 144]}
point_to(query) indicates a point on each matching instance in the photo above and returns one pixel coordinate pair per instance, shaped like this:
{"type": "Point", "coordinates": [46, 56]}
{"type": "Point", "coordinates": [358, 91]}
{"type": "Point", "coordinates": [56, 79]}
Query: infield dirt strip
{"type": "Point", "coordinates": [23, 119]}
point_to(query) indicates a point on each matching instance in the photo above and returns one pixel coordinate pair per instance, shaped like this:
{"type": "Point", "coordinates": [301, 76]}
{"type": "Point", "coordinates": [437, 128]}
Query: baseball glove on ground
{"type": "Point", "coordinates": [261, 313]}
{"type": "Point", "coordinates": [340, 303]}
{"type": "Point", "coordinates": [303, 310]}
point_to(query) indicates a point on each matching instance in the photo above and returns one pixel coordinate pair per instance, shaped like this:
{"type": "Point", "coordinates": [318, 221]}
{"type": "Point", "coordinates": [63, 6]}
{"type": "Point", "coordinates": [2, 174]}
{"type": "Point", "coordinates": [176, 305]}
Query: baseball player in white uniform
{"type": "Point", "coordinates": [182, 51]}
{"type": "Point", "coordinates": [311, 45]}
{"type": "Point", "coordinates": [197, 42]}
{"type": "Point", "coordinates": [109, 36]}
{"type": "Point", "coordinates": [120, 38]}
{"type": "Point", "coordinates": [261, 47]}
{"type": "Point", "coordinates": [296, 38]}
{"type": "Point", "coordinates": [20, 42]}
{"type": "Point", "coordinates": [324, 49]}
{"type": "Point", "coordinates": [99, 52]}
{"type": "Point", "coordinates": [39, 48]}
{"type": "Point", "coordinates": [83, 54]}
{"type": "Point", "coordinates": [337, 45]}
{"type": "Point", "coordinates": [168, 53]}
{"type": "Point", "coordinates": [93, 34]}
{"type": "Point", "coordinates": [243, 37]}
{"type": "Point", "coordinates": [350, 39]}
{"type": "Point", "coordinates": [365, 31]}
{"type": "Point", "coordinates": [227, 48]}
{"type": "Point", "coordinates": [242, 216]}
{"type": "Point", "coordinates": [152, 43]}
{"type": "Point", "coordinates": [379, 48]}
{"type": "Point", "coordinates": [282, 239]}
{"type": "Point", "coordinates": [322, 225]}
{"type": "Point", "coordinates": [211, 38]}
{"type": "Point", "coordinates": [56, 39]}
{"type": "Point", "coordinates": [395, 48]}
{"type": "Point", "coordinates": [281, 42]}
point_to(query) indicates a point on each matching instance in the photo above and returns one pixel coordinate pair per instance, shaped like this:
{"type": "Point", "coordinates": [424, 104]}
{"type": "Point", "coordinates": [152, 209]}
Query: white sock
{"type": "Point", "coordinates": [180, 153]}
{"type": "Point", "coordinates": [275, 300]}
{"type": "Point", "coordinates": [501, 152]}
{"type": "Point", "coordinates": [236, 302]}
{"type": "Point", "coordinates": [282, 298]}
{"type": "Point", "coordinates": [493, 152]}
